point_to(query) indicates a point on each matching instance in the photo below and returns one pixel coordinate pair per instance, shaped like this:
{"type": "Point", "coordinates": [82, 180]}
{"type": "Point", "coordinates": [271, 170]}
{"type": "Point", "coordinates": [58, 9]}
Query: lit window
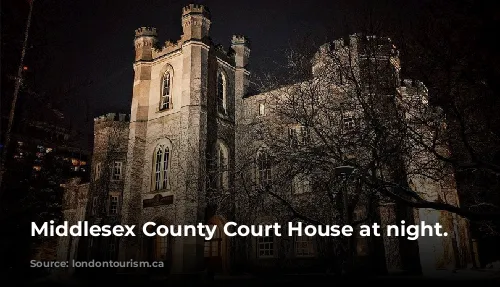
{"type": "Point", "coordinates": [265, 246]}
{"type": "Point", "coordinates": [166, 92]}
{"type": "Point", "coordinates": [117, 170]}
{"type": "Point", "coordinates": [221, 93]}
{"type": "Point", "coordinates": [262, 109]}
{"type": "Point", "coordinates": [161, 167]}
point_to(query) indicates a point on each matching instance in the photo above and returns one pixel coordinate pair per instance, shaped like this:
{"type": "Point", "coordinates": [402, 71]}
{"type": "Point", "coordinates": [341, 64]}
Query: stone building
{"type": "Point", "coordinates": [195, 149]}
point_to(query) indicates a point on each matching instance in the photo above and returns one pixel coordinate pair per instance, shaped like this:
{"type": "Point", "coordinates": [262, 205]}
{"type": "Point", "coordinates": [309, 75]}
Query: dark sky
{"type": "Point", "coordinates": [82, 51]}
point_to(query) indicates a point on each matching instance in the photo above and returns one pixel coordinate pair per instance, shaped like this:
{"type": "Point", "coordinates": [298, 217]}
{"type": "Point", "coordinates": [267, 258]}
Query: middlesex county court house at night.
{"type": "Point", "coordinates": [193, 150]}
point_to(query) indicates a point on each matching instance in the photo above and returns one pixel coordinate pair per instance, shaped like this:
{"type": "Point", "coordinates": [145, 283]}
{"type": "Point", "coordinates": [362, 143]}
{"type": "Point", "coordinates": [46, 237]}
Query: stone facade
{"type": "Point", "coordinates": [190, 152]}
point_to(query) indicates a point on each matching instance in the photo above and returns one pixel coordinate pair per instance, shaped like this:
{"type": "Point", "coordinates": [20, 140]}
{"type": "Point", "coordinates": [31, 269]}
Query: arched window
{"type": "Point", "coordinates": [161, 167]}
{"type": "Point", "coordinates": [213, 246]}
{"type": "Point", "coordinates": [222, 167]}
{"type": "Point", "coordinates": [264, 169]}
{"type": "Point", "coordinates": [161, 246]}
{"type": "Point", "coordinates": [166, 92]}
{"type": "Point", "coordinates": [221, 93]}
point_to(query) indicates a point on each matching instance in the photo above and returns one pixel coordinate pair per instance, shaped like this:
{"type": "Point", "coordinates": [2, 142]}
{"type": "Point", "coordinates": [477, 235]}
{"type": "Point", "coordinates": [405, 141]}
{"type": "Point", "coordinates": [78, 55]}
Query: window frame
{"type": "Point", "coordinates": [114, 175]}
{"type": "Point", "coordinates": [310, 248]}
{"type": "Point", "coordinates": [166, 102]}
{"type": "Point", "coordinates": [264, 168]}
{"type": "Point", "coordinates": [221, 92]}
{"type": "Point", "coordinates": [111, 202]}
{"type": "Point", "coordinates": [261, 241]}
{"type": "Point", "coordinates": [222, 164]}
{"type": "Point", "coordinates": [161, 167]}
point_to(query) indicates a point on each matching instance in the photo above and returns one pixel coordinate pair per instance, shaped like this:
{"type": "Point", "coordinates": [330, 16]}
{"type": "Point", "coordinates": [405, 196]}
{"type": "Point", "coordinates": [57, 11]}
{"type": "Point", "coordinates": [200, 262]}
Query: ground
{"type": "Point", "coordinates": [482, 277]}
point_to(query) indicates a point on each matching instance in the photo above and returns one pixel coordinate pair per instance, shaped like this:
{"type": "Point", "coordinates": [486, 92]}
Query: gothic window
{"type": "Point", "coordinates": [264, 169]}
{"type": "Point", "coordinates": [222, 167]}
{"type": "Point", "coordinates": [161, 167]}
{"type": "Point", "coordinates": [166, 92]}
{"type": "Point", "coordinates": [221, 93]}
{"type": "Point", "coordinates": [161, 248]}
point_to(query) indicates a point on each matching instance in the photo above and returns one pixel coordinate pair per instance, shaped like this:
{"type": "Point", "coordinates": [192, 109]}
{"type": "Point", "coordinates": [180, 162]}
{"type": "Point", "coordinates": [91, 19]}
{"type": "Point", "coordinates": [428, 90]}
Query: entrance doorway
{"type": "Point", "coordinates": [160, 249]}
{"type": "Point", "coordinates": [216, 249]}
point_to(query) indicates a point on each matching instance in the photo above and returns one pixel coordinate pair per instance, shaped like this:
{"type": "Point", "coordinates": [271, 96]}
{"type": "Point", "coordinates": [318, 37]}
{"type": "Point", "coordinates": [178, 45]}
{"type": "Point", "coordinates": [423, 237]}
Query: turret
{"type": "Point", "coordinates": [145, 41]}
{"type": "Point", "coordinates": [195, 22]}
{"type": "Point", "coordinates": [241, 46]}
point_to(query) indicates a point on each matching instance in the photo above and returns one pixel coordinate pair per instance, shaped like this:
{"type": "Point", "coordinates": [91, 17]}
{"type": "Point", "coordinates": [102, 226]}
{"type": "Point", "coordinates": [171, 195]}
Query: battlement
{"type": "Point", "coordinates": [195, 9]}
{"type": "Point", "coordinates": [112, 117]}
{"type": "Point", "coordinates": [240, 40]}
{"type": "Point", "coordinates": [146, 31]}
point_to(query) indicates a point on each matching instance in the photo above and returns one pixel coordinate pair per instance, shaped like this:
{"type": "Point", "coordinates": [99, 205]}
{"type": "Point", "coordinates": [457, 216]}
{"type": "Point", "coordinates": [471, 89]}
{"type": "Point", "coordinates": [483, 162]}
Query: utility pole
{"type": "Point", "coordinates": [19, 81]}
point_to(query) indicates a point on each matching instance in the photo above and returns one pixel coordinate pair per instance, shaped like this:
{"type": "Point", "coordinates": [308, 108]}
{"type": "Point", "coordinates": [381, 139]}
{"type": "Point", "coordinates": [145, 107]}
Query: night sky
{"type": "Point", "coordinates": [81, 52]}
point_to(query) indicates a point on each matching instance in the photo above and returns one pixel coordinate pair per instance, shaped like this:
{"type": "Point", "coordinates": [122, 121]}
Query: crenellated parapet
{"type": "Point", "coordinates": [110, 133]}
{"type": "Point", "coordinates": [112, 117]}
{"type": "Point", "coordinates": [414, 90]}
{"type": "Point", "coordinates": [146, 32]}
{"type": "Point", "coordinates": [145, 42]}
{"type": "Point", "coordinates": [191, 9]}
{"type": "Point", "coordinates": [195, 23]}
{"type": "Point", "coordinates": [240, 40]}
{"type": "Point", "coordinates": [168, 47]}
{"type": "Point", "coordinates": [414, 84]}
{"type": "Point", "coordinates": [114, 120]}
{"type": "Point", "coordinates": [241, 46]}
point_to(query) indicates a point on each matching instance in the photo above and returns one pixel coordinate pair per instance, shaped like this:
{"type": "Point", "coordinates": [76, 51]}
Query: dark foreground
{"type": "Point", "coordinates": [483, 279]}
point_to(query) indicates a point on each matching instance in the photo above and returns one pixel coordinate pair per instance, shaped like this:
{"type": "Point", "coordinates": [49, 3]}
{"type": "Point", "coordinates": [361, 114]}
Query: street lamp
{"type": "Point", "coordinates": [344, 172]}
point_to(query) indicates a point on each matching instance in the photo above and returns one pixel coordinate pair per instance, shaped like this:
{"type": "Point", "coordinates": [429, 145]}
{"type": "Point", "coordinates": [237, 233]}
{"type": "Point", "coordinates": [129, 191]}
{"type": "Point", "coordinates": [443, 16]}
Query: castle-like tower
{"type": "Point", "coordinates": [186, 98]}
{"type": "Point", "coordinates": [193, 150]}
